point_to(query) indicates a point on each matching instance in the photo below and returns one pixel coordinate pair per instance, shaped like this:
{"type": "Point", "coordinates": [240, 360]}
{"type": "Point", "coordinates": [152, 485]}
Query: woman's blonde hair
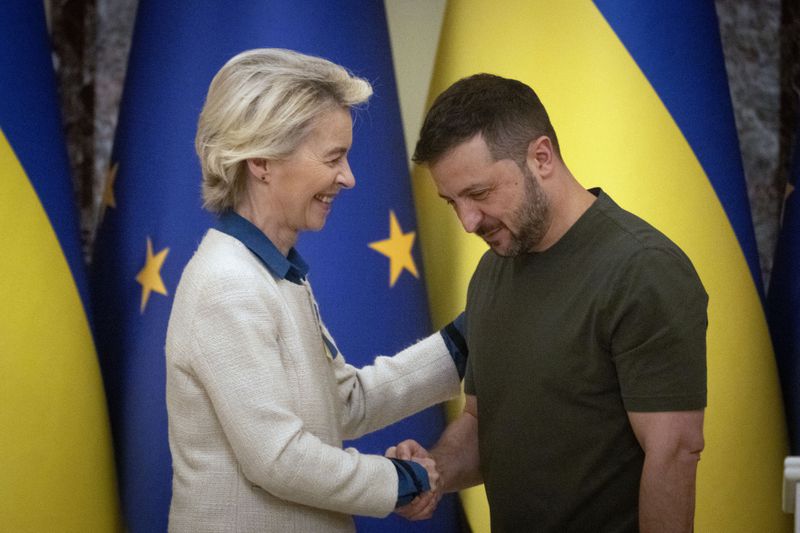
{"type": "Point", "coordinates": [262, 104]}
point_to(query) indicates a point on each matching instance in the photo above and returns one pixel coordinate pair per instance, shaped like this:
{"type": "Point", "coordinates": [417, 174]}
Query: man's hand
{"type": "Point", "coordinates": [457, 461]}
{"type": "Point", "coordinates": [421, 507]}
{"type": "Point", "coordinates": [407, 450]}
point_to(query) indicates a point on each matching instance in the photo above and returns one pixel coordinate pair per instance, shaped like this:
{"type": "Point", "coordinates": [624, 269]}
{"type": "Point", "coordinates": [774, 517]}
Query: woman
{"type": "Point", "coordinates": [258, 395]}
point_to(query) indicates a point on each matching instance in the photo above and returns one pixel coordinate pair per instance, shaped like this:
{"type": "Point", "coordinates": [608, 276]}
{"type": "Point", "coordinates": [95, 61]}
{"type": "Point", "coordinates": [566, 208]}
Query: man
{"type": "Point", "coordinates": [586, 380]}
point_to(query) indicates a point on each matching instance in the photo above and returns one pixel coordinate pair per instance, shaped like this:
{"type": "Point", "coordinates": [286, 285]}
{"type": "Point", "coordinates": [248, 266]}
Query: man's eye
{"type": "Point", "coordinates": [480, 195]}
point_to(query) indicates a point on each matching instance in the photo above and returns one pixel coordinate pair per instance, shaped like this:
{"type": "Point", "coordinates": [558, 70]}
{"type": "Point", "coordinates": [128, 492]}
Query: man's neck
{"type": "Point", "coordinates": [569, 200]}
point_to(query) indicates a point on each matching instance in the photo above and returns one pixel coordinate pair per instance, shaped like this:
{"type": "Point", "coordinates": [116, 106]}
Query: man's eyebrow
{"type": "Point", "coordinates": [467, 190]}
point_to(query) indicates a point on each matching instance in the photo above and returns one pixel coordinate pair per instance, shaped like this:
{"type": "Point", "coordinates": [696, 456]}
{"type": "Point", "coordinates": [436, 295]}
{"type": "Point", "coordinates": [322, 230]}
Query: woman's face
{"type": "Point", "coordinates": [304, 185]}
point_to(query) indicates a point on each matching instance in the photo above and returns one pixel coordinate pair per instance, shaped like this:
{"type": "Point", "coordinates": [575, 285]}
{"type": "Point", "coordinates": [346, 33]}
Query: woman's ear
{"type": "Point", "coordinates": [259, 168]}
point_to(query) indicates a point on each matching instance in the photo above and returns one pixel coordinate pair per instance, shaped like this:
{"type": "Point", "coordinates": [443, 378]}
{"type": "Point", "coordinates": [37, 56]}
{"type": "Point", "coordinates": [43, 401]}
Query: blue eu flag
{"type": "Point", "coordinates": [365, 265]}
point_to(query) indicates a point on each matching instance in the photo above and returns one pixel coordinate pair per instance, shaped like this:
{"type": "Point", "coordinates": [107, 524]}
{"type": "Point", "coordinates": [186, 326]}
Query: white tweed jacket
{"type": "Point", "coordinates": [258, 408]}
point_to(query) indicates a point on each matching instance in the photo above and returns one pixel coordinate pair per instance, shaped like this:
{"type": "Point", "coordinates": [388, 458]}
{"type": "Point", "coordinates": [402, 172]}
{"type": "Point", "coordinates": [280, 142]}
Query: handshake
{"type": "Point", "coordinates": [423, 506]}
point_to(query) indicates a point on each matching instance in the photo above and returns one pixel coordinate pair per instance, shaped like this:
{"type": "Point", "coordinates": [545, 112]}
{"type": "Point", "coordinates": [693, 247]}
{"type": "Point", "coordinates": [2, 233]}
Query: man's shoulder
{"type": "Point", "coordinates": [633, 234]}
{"type": "Point", "coordinates": [642, 250]}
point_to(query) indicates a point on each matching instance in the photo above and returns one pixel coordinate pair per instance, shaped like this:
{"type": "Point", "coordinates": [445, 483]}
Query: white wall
{"type": "Point", "coordinates": [414, 27]}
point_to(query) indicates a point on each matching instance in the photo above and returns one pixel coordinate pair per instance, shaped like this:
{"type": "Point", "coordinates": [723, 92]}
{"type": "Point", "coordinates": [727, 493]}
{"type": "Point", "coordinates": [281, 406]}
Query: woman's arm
{"type": "Point", "coordinates": [242, 366]}
{"type": "Point", "coordinates": [393, 388]}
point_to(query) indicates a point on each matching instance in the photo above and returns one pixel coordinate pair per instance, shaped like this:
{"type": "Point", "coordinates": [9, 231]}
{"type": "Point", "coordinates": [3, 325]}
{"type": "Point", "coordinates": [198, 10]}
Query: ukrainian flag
{"type": "Point", "coordinates": [365, 265]}
{"type": "Point", "coordinates": [57, 469]}
{"type": "Point", "coordinates": [638, 95]}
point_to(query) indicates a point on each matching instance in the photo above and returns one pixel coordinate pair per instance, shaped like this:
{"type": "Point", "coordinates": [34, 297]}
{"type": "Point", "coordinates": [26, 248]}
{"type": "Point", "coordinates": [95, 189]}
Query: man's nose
{"type": "Point", "coordinates": [470, 217]}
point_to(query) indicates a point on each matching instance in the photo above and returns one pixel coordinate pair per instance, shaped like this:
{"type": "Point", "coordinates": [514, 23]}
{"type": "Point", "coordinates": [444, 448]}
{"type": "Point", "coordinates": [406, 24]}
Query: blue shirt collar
{"type": "Point", "coordinates": [292, 267]}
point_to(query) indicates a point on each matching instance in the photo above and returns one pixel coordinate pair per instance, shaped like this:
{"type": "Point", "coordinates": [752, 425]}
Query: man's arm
{"type": "Point", "coordinates": [456, 456]}
{"type": "Point", "coordinates": [672, 442]}
{"type": "Point", "coordinates": [456, 453]}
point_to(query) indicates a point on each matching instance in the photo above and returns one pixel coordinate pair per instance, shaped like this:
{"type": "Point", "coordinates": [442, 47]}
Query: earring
{"type": "Point", "coordinates": [264, 178]}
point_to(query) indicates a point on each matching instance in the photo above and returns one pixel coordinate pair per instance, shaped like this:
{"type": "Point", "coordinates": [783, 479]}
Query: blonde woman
{"type": "Point", "coordinates": [258, 395]}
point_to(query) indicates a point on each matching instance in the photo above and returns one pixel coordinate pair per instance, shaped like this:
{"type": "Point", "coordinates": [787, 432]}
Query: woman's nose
{"type": "Point", "coordinates": [345, 177]}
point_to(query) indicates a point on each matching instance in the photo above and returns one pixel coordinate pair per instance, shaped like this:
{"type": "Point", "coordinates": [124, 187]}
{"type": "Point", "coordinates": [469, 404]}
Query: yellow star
{"type": "Point", "coordinates": [150, 276]}
{"type": "Point", "coordinates": [108, 191]}
{"type": "Point", "coordinates": [398, 249]}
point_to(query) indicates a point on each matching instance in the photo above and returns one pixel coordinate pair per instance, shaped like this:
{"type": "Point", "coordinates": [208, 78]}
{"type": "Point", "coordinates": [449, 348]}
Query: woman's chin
{"type": "Point", "coordinates": [317, 225]}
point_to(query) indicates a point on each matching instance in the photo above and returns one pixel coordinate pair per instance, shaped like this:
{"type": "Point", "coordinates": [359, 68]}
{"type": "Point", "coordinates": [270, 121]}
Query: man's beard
{"type": "Point", "coordinates": [532, 217]}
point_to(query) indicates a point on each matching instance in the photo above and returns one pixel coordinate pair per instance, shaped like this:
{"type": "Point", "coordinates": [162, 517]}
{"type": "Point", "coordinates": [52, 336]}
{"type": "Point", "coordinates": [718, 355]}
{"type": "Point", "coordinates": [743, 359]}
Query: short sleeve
{"type": "Point", "coordinates": [469, 372]}
{"type": "Point", "coordinates": [658, 336]}
{"type": "Point", "coordinates": [469, 380]}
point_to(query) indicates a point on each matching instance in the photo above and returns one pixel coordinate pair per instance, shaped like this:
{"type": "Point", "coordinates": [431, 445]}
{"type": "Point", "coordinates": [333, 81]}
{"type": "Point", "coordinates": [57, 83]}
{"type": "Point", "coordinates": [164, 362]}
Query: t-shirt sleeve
{"type": "Point", "coordinates": [469, 372]}
{"type": "Point", "coordinates": [469, 381]}
{"type": "Point", "coordinates": [658, 337]}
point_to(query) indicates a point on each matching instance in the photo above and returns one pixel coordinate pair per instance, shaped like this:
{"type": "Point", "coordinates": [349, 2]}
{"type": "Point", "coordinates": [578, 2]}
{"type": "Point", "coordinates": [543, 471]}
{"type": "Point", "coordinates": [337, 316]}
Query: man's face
{"type": "Point", "coordinates": [496, 200]}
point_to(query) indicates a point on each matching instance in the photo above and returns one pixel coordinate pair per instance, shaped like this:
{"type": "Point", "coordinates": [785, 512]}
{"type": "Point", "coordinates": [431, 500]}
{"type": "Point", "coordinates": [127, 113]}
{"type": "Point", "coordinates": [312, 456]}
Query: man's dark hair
{"type": "Point", "coordinates": [506, 112]}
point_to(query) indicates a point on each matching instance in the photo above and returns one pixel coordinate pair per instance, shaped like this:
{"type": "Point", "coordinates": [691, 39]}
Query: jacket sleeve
{"type": "Point", "coordinates": [239, 361]}
{"type": "Point", "coordinates": [393, 388]}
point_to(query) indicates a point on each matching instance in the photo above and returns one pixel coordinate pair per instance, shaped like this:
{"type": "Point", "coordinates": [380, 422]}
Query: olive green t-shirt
{"type": "Point", "coordinates": [563, 343]}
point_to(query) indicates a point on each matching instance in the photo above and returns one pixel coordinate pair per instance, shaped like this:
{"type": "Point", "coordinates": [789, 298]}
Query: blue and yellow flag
{"type": "Point", "coordinates": [57, 470]}
{"type": "Point", "coordinates": [365, 265]}
{"type": "Point", "coordinates": [638, 95]}
{"type": "Point", "coordinates": [783, 300]}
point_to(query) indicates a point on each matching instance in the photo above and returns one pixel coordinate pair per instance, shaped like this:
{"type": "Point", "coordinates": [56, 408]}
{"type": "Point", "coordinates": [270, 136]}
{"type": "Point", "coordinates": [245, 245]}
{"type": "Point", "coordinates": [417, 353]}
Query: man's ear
{"type": "Point", "coordinates": [541, 155]}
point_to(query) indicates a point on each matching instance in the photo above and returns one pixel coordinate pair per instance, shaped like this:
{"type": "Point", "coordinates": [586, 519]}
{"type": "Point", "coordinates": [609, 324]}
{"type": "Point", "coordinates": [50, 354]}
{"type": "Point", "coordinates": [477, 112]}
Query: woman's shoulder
{"type": "Point", "coordinates": [223, 262]}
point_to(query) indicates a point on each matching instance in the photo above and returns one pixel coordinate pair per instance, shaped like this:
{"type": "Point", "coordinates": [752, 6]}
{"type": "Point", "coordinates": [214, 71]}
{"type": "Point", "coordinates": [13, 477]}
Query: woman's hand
{"type": "Point", "coordinates": [423, 506]}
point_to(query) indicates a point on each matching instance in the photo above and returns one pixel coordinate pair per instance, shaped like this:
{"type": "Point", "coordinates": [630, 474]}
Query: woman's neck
{"type": "Point", "coordinates": [263, 218]}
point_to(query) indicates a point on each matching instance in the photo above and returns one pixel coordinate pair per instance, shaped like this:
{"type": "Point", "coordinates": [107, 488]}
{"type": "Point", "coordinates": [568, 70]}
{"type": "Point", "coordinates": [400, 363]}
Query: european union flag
{"type": "Point", "coordinates": [783, 300]}
{"type": "Point", "coordinates": [365, 265]}
{"type": "Point", "coordinates": [57, 465]}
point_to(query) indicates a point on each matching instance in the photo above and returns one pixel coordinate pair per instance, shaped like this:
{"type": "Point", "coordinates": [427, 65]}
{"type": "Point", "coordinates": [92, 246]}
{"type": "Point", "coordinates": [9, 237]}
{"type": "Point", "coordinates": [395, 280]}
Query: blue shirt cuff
{"type": "Point", "coordinates": [454, 335]}
{"type": "Point", "coordinates": [412, 480]}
